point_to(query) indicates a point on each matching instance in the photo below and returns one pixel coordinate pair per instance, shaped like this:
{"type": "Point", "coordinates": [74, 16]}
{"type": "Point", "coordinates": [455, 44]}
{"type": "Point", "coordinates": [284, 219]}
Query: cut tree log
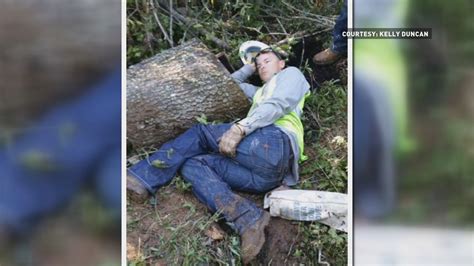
{"type": "Point", "coordinates": [51, 51]}
{"type": "Point", "coordinates": [166, 93]}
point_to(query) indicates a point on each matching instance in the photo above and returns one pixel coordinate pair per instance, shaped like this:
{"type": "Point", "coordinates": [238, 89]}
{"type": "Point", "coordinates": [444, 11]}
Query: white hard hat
{"type": "Point", "coordinates": [249, 49]}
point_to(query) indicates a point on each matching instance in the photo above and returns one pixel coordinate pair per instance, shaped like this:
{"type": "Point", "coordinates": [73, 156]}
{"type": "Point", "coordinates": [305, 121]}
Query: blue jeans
{"type": "Point", "coordinates": [261, 163]}
{"type": "Point", "coordinates": [340, 43]}
{"type": "Point", "coordinates": [71, 143]}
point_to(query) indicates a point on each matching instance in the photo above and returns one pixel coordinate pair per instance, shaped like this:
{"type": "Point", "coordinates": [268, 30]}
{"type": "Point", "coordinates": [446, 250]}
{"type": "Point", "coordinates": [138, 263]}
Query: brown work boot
{"type": "Point", "coordinates": [253, 238]}
{"type": "Point", "coordinates": [136, 190]}
{"type": "Point", "coordinates": [326, 57]}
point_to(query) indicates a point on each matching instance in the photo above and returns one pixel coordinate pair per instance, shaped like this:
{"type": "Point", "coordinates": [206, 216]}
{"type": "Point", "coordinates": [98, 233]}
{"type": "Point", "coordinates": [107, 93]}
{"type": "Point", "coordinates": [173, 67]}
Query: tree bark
{"type": "Point", "coordinates": [52, 50]}
{"type": "Point", "coordinates": [166, 93]}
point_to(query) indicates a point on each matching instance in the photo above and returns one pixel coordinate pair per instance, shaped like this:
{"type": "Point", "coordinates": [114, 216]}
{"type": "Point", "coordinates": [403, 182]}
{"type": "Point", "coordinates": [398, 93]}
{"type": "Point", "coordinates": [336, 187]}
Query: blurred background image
{"type": "Point", "coordinates": [60, 107]}
{"type": "Point", "coordinates": [414, 136]}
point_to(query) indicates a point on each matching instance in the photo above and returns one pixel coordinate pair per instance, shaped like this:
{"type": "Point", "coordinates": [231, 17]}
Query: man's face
{"type": "Point", "coordinates": [268, 65]}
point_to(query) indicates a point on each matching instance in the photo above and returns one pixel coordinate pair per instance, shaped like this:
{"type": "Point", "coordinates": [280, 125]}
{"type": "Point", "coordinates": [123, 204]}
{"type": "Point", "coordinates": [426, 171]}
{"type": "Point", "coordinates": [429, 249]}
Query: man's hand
{"type": "Point", "coordinates": [230, 140]}
{"type": "Point", "coordinates": [251, 61]}
{"type": "Point", "coordinates": [254, 68]}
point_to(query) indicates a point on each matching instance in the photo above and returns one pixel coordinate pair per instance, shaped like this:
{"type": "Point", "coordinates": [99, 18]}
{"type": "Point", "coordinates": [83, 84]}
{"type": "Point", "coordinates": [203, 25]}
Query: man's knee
{"type": "Point", "coordinates": [191, 168]}
{"type": "Point", "coordinates": [195, 167]}
{"type": "Point", "coordinates": [198, 127]}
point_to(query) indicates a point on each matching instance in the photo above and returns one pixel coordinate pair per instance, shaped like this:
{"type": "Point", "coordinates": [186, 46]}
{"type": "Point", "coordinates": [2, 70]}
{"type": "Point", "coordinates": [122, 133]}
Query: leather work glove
{"type": "Point", "coordinates": [230, 140]}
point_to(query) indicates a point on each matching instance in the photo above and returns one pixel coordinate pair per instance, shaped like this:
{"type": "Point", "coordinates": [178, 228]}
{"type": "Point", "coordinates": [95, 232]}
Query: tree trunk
{"type": "Point", "coordinates": [52, 50]}
{"type": "Point", "coordinates": [166, 93]}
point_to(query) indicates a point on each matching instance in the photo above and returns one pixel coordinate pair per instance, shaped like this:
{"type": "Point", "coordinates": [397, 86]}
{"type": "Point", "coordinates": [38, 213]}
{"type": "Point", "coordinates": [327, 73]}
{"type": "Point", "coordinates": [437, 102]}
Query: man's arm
{"type": "Point", "coordinates": [241, 75]}
{"type": "Point", "coordinates": [291, 86]}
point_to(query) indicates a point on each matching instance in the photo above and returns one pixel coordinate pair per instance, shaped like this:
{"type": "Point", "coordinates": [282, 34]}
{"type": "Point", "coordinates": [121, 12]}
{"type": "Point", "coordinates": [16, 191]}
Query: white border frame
{"type": "Point", "coordinates": [350, 232]}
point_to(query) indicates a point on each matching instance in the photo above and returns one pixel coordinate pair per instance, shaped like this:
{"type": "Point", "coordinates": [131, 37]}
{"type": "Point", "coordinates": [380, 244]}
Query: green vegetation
{"type": "Point", "coordinates": [223, 25]}
{"type": "Point", "coordinates": [436, 184]}
{"type": "Point", "coordinates": [326, 169]}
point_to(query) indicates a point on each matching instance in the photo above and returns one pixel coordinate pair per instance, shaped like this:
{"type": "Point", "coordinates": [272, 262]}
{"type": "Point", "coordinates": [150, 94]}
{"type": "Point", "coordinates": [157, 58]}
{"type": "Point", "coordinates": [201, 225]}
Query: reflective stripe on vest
{"type": "Point", "coordinates": [290, 121]}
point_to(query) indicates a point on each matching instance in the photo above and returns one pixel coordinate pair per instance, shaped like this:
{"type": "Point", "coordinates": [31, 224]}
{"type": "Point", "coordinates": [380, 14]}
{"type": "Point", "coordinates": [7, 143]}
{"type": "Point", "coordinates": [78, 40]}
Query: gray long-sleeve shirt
{"type": "Point", "coordinates": [290, 87]}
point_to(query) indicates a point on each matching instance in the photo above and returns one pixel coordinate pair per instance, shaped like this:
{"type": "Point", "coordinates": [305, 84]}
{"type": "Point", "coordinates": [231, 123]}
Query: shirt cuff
{"type": "Point", "coordinates": [247, 70]}
{"type": "Point", "coordinates": [246, 125]}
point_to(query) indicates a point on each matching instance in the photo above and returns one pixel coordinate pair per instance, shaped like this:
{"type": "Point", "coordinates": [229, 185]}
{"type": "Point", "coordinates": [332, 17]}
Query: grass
{"type": "Point", "coordinates": [325, 119]}
{"type": "Point", "coordinates": [326, 139]}
{"type": "Point", "coordinates": [182, 239]}
{"type": "Point", "coordinates": [437, 183]}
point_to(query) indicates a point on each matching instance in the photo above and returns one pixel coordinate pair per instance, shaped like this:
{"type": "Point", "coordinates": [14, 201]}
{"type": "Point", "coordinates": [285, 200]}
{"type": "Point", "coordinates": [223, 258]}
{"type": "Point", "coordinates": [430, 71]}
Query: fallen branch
{"type": "Point", "coordinates": [313, 17]}
{"type": "Point", "coordinates": [171, 23]}
{"type": "Point", "coordinates": [281, 25]}
{"type": "Point", "coordinates": [300, 35]}
{"type": "Point", "coordinates": [157, 19]}
{"type": "Point", "coordinates": [189, 22]}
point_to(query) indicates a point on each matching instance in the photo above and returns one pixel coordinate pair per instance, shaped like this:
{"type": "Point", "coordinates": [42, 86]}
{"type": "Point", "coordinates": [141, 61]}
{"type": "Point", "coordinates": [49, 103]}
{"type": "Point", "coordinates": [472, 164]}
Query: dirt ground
{"type": "Point", "coordinates": [281, 236]}
{"type": "Point", "coordinates": [148, 228]}
{"type": "Point", "coordinates": [66, 244]}
{"type": "Point", "coordinates": [65, 240]}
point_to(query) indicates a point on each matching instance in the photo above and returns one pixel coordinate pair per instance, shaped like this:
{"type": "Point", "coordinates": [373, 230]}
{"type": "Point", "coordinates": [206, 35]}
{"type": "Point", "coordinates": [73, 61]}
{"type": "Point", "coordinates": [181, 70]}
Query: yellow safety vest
{"type": "Point", "coordinates": [383, 59]}
{"type": "Point", "coordinates": [290, 121]}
